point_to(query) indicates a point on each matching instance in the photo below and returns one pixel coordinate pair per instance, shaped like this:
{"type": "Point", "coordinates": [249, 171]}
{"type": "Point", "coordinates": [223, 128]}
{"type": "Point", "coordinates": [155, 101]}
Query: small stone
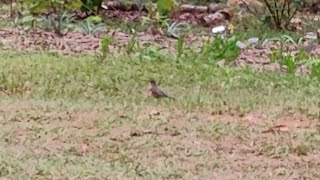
{"type": "Point", "coordinates": [213, 7]}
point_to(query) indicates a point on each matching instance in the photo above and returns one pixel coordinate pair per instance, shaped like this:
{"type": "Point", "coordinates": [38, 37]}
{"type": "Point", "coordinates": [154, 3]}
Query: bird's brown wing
{"type": "Point", "coordinates": [156, 92]}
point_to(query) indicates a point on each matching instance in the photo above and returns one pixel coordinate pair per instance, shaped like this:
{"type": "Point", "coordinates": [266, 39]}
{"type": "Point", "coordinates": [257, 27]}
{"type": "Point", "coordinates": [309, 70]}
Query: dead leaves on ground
{"type": "Point", "coordinates": [290, 125]}
{"type": "Point", "coordinates": [296, 122]}
{"type": "Point", "coordinates": [282, 128]}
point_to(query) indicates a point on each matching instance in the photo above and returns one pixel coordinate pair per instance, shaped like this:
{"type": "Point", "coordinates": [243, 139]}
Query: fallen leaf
{"type": "Point", "coordinates": [282, 128]}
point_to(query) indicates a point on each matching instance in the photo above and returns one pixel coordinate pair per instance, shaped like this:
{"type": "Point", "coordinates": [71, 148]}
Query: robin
{"type": "Point", "coordinates": [155, 91]}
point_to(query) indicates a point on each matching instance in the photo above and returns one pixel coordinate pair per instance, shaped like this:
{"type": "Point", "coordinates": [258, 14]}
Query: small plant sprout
{"type": "Point", "coordinates": [90, 27]}
{"type": "Point", "coordinates": [105, 42]}
{"type": "Point", "coordinates": [290, 63]}
{"type": "Point", "coordinates": [180, 46]}
{"type": "Point", "coordinates": [174, 29]}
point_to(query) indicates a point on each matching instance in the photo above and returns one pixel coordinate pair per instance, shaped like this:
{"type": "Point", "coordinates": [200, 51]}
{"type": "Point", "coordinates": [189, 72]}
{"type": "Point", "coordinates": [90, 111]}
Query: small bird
{"type": "Point", "coordinates": [155, 91]}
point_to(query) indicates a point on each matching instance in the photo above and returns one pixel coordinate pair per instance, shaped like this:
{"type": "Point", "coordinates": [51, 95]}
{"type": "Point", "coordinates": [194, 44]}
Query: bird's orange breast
{"type": "Point", "coordinates": [154, 94]}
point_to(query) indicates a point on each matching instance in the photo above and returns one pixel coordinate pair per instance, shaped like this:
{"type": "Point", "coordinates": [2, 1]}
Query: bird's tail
{"type": "Point", "coordinates": [171, 97]}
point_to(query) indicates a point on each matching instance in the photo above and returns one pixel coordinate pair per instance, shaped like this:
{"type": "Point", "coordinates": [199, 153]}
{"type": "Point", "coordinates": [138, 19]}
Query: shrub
{"type": "Point", "coordinates": [277, 13]}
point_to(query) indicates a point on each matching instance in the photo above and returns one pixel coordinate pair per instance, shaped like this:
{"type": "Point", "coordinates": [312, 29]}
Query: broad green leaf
{"type": "Point", "coordinates": [28, 18]}
{"type": "Point", "coordinates": [164, 6]}
{"type": "Point", "coordinates": [95, 19]}
{"type": "Point", "coordinates": [40, 6]}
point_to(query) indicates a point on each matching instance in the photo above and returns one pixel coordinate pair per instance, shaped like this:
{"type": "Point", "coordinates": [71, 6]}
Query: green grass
{"type": "Point", "coordinates": [70, 117]}
{"type": "Point", "coordinates": [195, 84]}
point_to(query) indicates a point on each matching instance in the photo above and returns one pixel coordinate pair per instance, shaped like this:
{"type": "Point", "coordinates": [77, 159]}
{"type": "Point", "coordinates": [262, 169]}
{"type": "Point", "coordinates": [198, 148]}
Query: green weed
{"type": "Point", "coordinates": [220, 48]}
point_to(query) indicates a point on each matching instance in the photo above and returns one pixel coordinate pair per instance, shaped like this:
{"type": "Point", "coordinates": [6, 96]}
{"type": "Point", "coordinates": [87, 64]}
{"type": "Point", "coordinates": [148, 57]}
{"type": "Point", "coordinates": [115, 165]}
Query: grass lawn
{"type": "Point", "coordinates": [68, 117]}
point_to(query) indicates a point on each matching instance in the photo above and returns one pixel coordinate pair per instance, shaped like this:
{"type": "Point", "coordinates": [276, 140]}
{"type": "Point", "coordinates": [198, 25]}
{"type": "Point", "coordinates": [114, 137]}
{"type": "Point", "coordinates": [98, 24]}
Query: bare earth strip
{"type": "Point", "coordinates": [152, 141]}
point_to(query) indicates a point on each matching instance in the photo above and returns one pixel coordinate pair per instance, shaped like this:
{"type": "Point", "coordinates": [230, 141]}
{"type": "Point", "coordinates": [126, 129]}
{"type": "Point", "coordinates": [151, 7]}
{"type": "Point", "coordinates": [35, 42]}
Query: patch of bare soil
{"type": "Point", "coordinates": [171, 141]}
{"type": "Point", "coordinates": [71, 42]}
{"type": "Point", "coordinates": [256, 148]}
{"type": "Point", "coordinates": [262, 58]}
{"type": "Point", "coordinates": [36, 40]}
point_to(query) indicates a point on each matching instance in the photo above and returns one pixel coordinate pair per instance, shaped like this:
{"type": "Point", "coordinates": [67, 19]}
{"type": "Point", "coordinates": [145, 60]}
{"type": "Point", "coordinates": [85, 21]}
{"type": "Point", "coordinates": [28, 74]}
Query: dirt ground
{"type": "Point", "coordinates": [201, 145]}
